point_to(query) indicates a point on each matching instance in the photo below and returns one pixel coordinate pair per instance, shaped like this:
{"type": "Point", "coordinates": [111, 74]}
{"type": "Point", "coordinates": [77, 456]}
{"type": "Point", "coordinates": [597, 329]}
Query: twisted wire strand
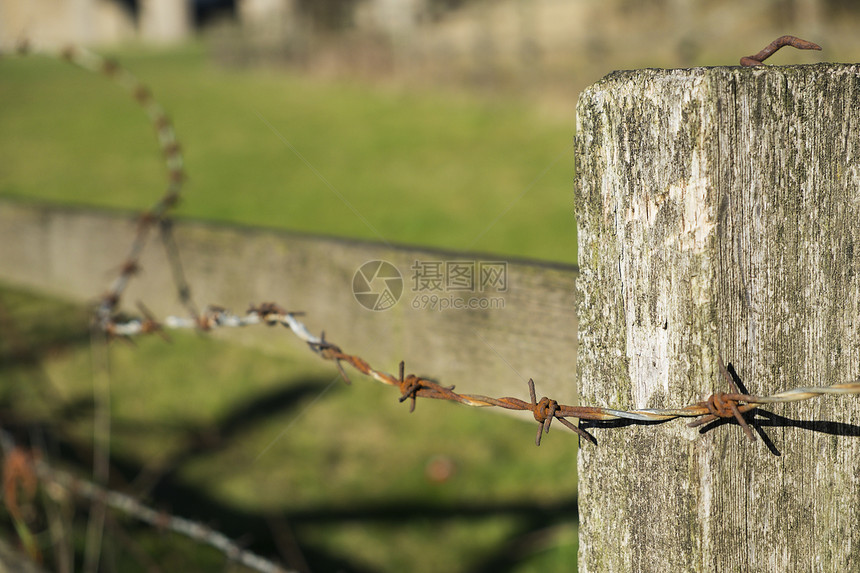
{"type": "Point", "coordinates": [129, 505]}
{"type": "Point", "coordinates": [718, 405]}
{"type": "Point", "coordinates": [186, 527]}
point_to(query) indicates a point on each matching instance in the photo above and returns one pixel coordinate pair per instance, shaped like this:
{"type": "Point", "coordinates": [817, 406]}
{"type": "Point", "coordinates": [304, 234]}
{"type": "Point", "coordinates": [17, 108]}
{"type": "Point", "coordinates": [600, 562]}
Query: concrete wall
{"type": "Point", "coordinates": [75, 253]}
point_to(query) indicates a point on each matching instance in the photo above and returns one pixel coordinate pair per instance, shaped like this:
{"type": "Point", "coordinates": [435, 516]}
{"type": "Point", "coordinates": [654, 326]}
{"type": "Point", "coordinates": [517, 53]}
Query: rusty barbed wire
{"type": "Point", "coordinates": [106, 308]}
{"type": "Point", "coordinates": [719, 405]}
{"type": "Point", "coordinates": [167, 140]}
{"type": "Point", "coordinates": [770, 49]}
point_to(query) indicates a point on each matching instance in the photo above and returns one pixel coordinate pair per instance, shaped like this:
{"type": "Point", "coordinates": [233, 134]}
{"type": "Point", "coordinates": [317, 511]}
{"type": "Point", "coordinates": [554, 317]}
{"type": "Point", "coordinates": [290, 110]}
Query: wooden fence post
{"type": "Point", "coordinates": [719, 214]}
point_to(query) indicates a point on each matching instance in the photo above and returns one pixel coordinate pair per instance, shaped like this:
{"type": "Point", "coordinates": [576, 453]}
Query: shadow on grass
{"type": "Point", "coordinates": [289, 535]}
{"type": "Point", "coordinates": [263, 532]}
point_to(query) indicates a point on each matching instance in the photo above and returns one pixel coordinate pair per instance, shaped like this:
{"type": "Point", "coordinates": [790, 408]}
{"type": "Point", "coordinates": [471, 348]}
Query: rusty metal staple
{"type": "Point", "coordinates": [725, 405]}
{"type": "Point", "coordinates": [781, 42]}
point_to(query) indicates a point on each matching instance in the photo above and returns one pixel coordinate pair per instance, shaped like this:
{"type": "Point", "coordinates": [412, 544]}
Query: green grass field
{"type": "Point", "coordinates": [436, 169]}
{"type": "Point", "coordinates": [270, 451]}
{"type": "Point", "coordinates": [266, 448]}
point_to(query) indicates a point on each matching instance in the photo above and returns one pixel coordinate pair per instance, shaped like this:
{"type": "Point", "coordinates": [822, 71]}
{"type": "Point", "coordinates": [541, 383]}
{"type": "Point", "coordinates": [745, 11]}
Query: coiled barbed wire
{"type": "Point", "coordinates": [719, 405]}
{"type": "Point", "coordinates": [169, 145]}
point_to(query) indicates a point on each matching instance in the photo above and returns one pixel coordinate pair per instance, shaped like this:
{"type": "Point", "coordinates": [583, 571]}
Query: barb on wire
{"type": "Point", "coordinates": [329, 351]}
{"type": "Point", "coordinates": [781, 42]}
{"type": "Point", "coordinates": [719, 405]}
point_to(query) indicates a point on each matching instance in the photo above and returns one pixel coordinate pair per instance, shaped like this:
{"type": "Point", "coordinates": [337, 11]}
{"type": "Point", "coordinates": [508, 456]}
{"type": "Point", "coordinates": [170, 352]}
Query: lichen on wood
{"type": "Point", "coordinates": [718, 214]}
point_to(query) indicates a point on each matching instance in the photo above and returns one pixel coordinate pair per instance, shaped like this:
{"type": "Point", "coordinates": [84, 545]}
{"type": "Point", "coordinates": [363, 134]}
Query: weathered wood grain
{"type": "Point", "coordinates": [719, 212]}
